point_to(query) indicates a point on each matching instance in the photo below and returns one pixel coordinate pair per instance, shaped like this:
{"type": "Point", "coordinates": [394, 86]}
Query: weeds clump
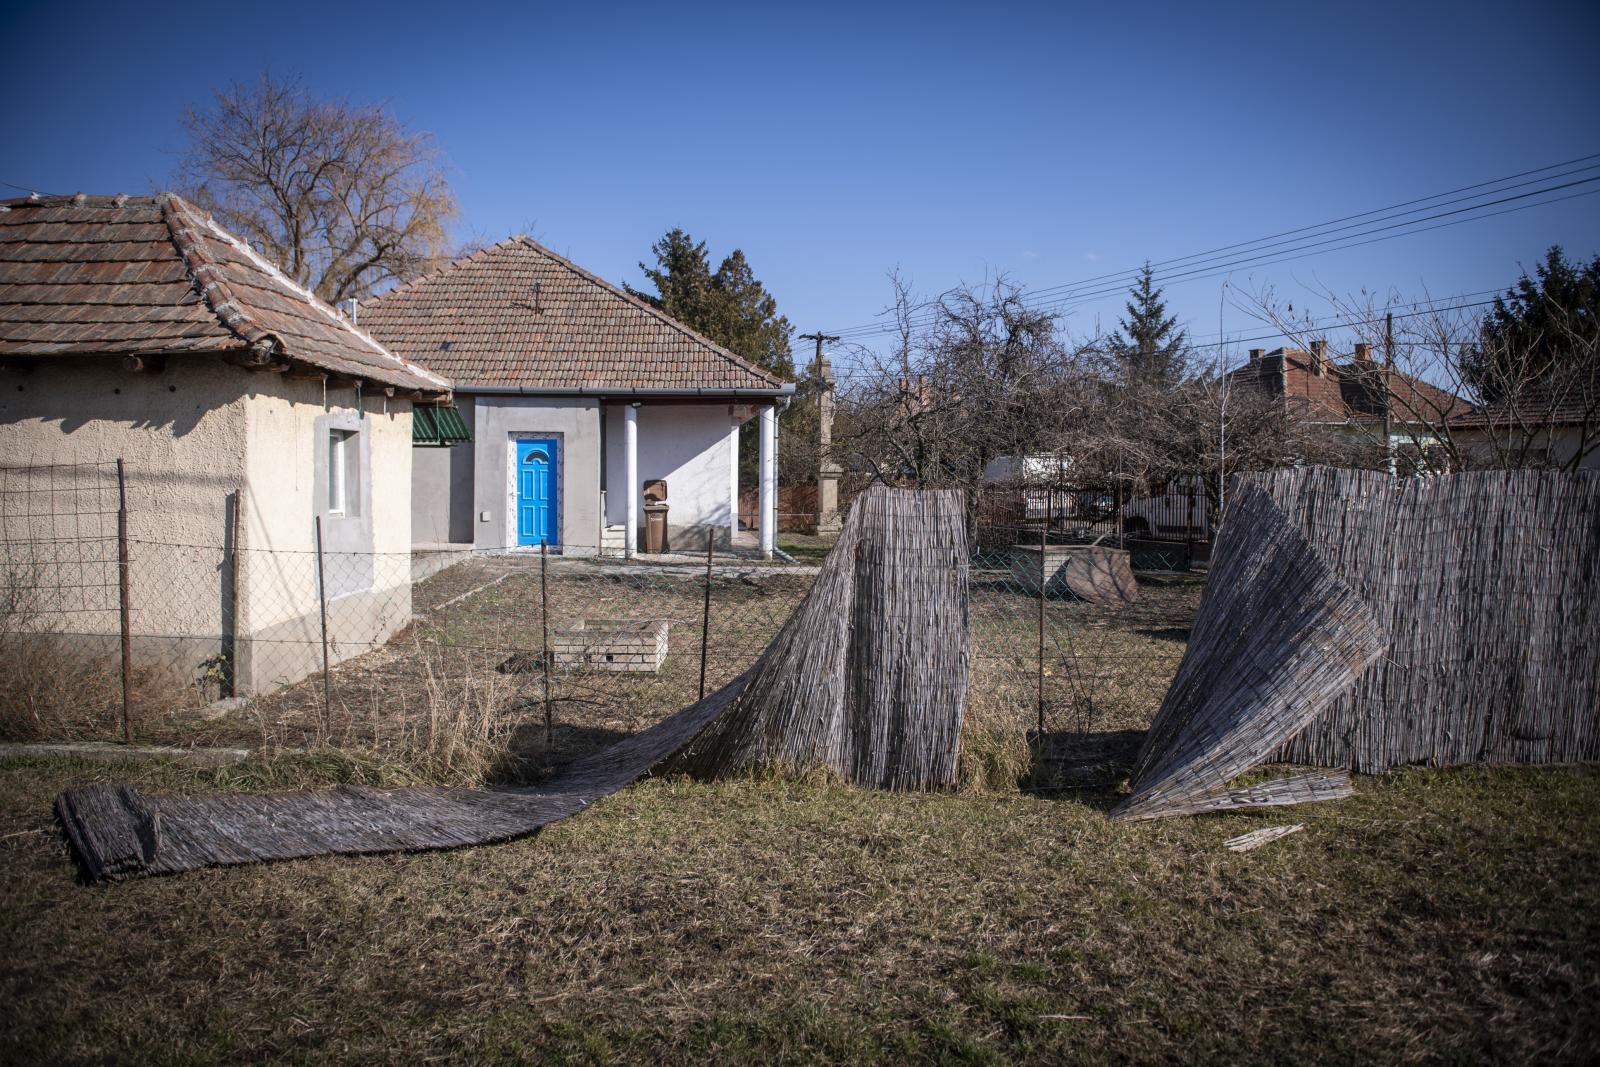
{"type": "Point", "coordinates": [51, 685]}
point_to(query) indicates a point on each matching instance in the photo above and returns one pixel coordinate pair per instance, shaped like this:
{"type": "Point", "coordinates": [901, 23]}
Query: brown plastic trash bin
{"type": "Point", "coordinates": [655, 528]}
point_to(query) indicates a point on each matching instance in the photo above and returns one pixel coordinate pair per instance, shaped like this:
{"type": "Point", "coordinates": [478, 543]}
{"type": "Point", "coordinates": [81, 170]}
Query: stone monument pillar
{"type": "Point", "coordinates": [828, 471]}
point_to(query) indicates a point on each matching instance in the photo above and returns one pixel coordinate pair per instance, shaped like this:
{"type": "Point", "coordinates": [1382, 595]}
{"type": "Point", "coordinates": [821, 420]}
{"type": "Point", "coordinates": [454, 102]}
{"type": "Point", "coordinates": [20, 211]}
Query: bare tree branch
{"type": "Point", "coordinates": [342, 198]}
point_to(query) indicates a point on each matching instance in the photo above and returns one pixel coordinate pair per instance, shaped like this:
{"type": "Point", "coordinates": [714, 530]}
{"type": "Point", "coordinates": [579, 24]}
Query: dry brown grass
{"type": "Point", "coordinates": [435, 704]}
{"type": "Point", "coordinates": [1436, 916]}
{"type": "Point", "coordinates": [51, 691]}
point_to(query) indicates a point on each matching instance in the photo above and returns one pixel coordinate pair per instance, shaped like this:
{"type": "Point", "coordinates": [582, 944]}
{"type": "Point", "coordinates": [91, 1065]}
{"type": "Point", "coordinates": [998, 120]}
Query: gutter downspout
{"type": "Point", "coordinates": [783, 392]}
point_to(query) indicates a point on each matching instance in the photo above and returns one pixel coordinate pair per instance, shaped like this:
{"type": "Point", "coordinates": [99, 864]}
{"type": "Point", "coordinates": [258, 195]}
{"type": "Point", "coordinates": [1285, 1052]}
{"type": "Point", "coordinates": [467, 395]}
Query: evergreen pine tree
{"type": "Point", "coordinates": [730, 307]}
{"type": "Point", "coordinates": [682, 277]}
{"type": "Point", "coordinates": [1149, 346]}
{"type": "Point", "coordinates": [1545, 325]}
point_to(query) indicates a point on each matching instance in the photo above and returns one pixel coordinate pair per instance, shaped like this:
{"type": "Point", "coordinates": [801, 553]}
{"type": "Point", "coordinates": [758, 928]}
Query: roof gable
{"type": "Point", "coordinates": [518, 315]}
{"type": "Point", "coordinates": [154, 275]}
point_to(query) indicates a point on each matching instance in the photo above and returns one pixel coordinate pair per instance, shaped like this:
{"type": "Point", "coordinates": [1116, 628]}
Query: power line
{"type": "Point", "coordinates": [1322, 230]}
{"type": "Point", "coordinates": [1354, 240]}
{"type": "Point", "coordinates": [1347, 241]}
{"type": "Point", "coordinates": [1288, 258]}
{"type": "Point", "coordinates": [1388, 213]}
{"type": "Point", "coordinates": [1385, 211]}
{"type": "Point", "coordinates": [1376, 314]}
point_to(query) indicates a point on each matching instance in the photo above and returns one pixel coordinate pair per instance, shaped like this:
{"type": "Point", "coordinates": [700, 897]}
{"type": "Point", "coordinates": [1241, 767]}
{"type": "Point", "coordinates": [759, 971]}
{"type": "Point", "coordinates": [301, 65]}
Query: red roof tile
{"type": "Point", "coordinates": [92, 275]}
{"type": "Point", "coordinates": [1347, 392]}
{"type": "Point", "coordinates": [1570, 397]}
{"type": "Point", "coordinates": [517, 314]}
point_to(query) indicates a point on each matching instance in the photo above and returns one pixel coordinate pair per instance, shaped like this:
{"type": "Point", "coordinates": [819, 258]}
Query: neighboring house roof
{"type": "Point", "coordinates": [1567, 399]}
{"type": "Point", "coordinates": [1351, 392]}
{"type": "Point", "coordinates": [154, 275]}
{"type": "Point", "coordinates": [517, 315]}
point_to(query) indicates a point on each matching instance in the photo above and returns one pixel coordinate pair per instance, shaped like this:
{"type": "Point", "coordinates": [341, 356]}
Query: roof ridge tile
{"type": "Point", "coordinates": [210, 281]}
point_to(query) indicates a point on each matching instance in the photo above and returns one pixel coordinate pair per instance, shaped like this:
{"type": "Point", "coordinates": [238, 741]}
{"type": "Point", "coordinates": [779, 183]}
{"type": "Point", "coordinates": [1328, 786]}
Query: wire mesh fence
{"type": "Point", "coordinates": [491, 661]}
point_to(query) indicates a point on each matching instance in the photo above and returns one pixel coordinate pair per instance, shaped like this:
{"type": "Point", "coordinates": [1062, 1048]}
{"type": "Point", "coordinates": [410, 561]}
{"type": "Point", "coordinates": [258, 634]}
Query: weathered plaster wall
{"type": "Point", "coordinates": [441, 496]}
{"type": "Point", "coordinates": [689, 446]}
{"type": "Point", "coordinates": [192, 437]}
{"type": "Point", "coordinates": [497, 420]}
{"type": "Point", "coordinates": [366, 552]}
{"type": "Point", "coordinates": [180, 434]}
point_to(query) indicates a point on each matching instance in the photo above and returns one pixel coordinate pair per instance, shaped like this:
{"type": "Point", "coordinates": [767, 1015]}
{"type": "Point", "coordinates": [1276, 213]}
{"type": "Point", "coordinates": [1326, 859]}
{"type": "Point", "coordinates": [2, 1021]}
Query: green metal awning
{"type": "Point", "coordinates": [433, 424]}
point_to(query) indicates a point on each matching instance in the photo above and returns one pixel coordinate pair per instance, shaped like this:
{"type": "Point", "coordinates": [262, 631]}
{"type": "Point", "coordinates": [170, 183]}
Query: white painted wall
{"type": "Point", "coordinates": [367, 554]}
{"type": "Point", "coordinates": [689, 446]}
{"type": "Point", "coordinates": [1042, 467]}
{"type": "Point", "coordinates": [1559, 446]}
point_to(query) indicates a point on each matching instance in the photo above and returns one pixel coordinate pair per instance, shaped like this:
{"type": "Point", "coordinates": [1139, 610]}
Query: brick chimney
{"type": "Point", "coordinates": [1319, 358]}
{"type": "Point", "coordinates": [1255, 354]}
{"type": "Point", "coordinates": [1363, 353]}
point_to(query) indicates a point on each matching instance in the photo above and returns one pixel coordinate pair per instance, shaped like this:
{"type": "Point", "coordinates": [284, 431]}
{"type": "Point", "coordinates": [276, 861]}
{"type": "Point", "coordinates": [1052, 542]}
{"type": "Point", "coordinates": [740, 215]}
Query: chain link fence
{"type": "Point", "coordinates": [498, 662]}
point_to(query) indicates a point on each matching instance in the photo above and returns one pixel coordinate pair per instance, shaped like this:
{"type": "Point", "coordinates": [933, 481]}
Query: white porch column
{"type": "Point", "coordinates": [630, 478]}
{"type": "Point", "coordinates": [769, 480]}
{"type": "Point", "coordinates": [733, 481]}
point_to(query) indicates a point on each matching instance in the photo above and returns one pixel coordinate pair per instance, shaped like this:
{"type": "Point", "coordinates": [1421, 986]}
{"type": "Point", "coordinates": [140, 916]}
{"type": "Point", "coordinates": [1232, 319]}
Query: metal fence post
{"type": "Point", "coordinates": [233, 588]}
{"type": "Point", "coordinates": [322, 605]}
{"type": "Point", "coordinates": [122, 602]}
{"type": "Point", "coordinates": [544, 641]}
{"type": "Point", "coordinates": [1188, 532]}
{"type": "Point", "coordinates": [705, 614]}
{"type": "Point", "coordinates": [1043, 573]}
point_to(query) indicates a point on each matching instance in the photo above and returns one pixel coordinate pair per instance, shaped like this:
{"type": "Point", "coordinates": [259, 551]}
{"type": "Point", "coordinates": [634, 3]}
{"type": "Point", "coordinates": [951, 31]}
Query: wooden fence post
{"type": "Point", "coordinates": [544, 641]}
{"type": "Point", "coordinates": [705, 613]}
{"type": "Point", "coordinates": [322, 606]}
{"type": "Point", "coordinates": [122, 602]}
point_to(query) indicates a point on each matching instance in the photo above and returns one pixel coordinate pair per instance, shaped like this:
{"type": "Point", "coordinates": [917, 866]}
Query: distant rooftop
{"type": "Point", "coordinates": [1352, 391]}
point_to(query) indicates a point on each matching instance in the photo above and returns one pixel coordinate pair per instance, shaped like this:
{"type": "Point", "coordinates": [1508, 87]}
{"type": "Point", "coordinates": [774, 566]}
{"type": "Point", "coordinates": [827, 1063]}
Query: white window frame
{"type": "Point", "coordinates": [338, 471]}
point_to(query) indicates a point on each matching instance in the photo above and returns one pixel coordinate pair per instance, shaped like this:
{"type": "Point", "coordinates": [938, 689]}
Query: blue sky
{"type": "Point", "coordinates": [834, 143]}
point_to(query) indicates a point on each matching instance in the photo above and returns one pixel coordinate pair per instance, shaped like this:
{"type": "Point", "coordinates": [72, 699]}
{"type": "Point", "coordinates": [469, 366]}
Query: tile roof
{"type": "Point", "coordinates": [1569, 398]}
{"type": "Point", "coordinates": [517, 314]}
{"type": "Point", "coordinates": [153, 275]}
{"type": "Point", "coordinates": [1348, 392]}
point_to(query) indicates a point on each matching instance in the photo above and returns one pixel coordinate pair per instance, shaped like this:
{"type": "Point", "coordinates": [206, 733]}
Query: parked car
{"type": "Point", "coordinates": [1176, 514]}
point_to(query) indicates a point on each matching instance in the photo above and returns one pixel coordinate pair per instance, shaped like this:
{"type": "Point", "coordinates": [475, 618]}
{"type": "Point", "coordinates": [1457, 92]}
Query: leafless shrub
{"type": "Point", "coordinates": [979, 381]}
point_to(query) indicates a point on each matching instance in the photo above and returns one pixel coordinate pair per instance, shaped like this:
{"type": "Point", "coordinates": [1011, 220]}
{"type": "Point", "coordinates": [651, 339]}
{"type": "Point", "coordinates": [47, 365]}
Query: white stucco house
{"type": "Point", "coordinates": [244, 410]}
{"type": "Point", "coordinates": [577, 396]}
{"type": "Point", "coordinates": [1551, 422]}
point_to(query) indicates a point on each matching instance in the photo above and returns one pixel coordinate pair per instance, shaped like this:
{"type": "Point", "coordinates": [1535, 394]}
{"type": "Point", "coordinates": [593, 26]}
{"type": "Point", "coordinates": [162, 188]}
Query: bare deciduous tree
{"type": "Point", "coordinates": [1526, 411]}
{"type": "Point", "coordinates": [980, 381]}
{"type": "Point", "coordinates": [986, 377]}
{"type": "Point", "coordinates": [343, 198]}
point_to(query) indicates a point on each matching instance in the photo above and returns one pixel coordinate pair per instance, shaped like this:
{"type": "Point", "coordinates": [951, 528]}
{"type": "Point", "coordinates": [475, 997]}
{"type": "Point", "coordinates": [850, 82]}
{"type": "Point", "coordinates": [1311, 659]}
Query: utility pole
{"type": "Point", "coordinates": [1388, 395]}
{"type": "Point", "coordinates": [827, 470]}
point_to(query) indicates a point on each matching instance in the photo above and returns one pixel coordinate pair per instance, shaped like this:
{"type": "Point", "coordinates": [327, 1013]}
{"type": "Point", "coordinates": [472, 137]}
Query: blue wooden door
{"type": "Point", "coordinates": [538, 522]}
